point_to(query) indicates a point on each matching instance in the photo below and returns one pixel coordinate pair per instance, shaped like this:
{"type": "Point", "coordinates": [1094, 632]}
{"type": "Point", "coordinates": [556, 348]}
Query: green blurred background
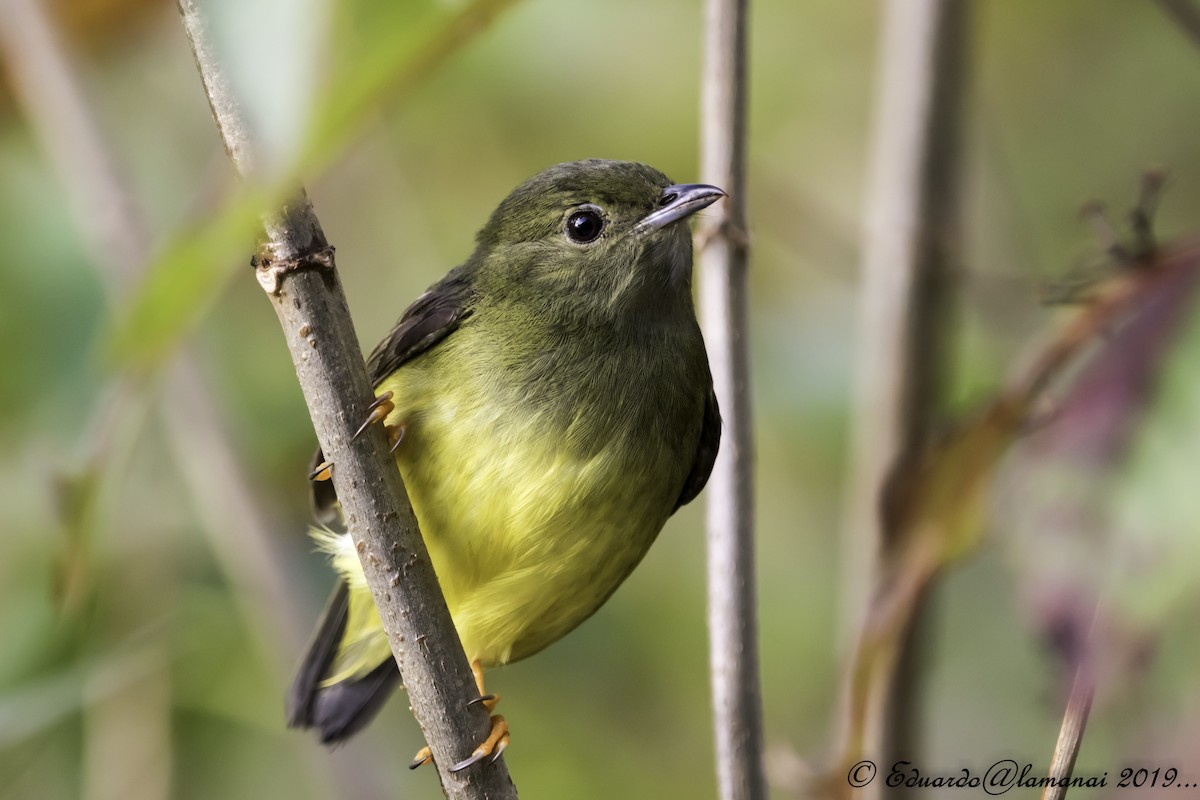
{"type": "Point", "coordinates": [134, 664]}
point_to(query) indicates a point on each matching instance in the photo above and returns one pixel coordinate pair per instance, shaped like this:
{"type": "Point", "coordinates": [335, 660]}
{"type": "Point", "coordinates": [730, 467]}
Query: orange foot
{"type": "Point", "coordinates": [378, 411]}
{"type": "Point", "coordinates": [497, 740]}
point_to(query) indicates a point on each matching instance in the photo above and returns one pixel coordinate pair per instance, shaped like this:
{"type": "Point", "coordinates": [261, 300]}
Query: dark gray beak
{"type": "Point", "coordinates": [678, 202]}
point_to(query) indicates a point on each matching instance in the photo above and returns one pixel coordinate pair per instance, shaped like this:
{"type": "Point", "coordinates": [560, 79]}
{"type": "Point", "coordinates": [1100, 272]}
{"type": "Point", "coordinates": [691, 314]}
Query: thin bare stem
{"type": "Point", "coordinates": [295, 265]}
{"type": "Point", "coordinates": [1070, 735]}
{"type": "Point", "coordinates": [911, 250]}
{"type": "Point", "coordinates": [1075, 718]}
{"type": "Point", "coordinates": [724, 252]}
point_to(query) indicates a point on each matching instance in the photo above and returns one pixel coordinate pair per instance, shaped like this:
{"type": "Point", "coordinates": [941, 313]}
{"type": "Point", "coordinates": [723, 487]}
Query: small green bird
{"type": "Point", "coordinates": [551, 405]}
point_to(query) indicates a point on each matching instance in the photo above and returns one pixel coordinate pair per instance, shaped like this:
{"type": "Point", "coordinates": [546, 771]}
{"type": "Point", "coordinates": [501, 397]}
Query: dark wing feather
{"type": "Point", "coordinates": [431, 318]}
{"type": "Point", "coordinates": [706, 451]}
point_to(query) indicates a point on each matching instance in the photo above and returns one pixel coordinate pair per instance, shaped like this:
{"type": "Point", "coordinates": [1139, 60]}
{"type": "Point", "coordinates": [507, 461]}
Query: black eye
{"type": "Point", "coordinates": [584, 226]}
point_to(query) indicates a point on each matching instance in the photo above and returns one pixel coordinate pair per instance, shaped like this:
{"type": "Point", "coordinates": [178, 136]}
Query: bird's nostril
{"type": "Point", "coordinates": [668, 198]}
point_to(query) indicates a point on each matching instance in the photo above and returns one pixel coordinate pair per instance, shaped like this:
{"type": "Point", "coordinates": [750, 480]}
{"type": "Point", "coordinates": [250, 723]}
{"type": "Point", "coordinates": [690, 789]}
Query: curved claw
{"type": "Point", "coordinates": [323, 472]}
{"type": "Point", "coordinates": [474, 758]}
{"type": "Point", "coordinates": [485, 699]}
{"type": "Point", "coordinates": [423, 756]}
{"type": "Point", "coordinates": [382, 399]}
{"type": "Point", "coordinates": [493, 746]}
{"type": "Point", "coordinates": [396, 433]}
{"type": "Point", "coordinates": [379, 410]}
{"type": "Point", "coordinates": [500, 748]}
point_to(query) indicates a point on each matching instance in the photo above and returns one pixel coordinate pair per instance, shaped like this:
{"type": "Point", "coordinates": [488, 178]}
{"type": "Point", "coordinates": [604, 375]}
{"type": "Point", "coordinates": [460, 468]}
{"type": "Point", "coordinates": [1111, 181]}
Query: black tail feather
{"type": "Point", "coordinates": [343, 709]}
{"type": "Point", "coordinates": [340, 710]}
{"type": "Point", "coordinates": [318, 659]}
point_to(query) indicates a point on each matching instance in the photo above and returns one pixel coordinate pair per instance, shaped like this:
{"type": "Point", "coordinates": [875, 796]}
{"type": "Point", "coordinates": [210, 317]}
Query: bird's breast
{"type": "Point", "coordinates": [539, 483]}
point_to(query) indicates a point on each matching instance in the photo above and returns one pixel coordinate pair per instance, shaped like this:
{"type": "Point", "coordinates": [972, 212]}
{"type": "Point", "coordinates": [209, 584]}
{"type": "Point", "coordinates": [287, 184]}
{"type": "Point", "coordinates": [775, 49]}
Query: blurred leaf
{"type": "Point", "coordinates": [76, 495]}
{"type": "Point", "coordinates": [29, 709]}
{"type": "Point", "coordinates": [940, 497]}
{"type": "Point", "coordinates": [88, 487]}
{"type": "Point", "coordinates": [935, 508]}
{"type": "Point", "coordinates": [1156, 505]}
{"type": "Point", "coordinates": [26, 710]}
{"type": "Point", "coordinates": [184, 280]}
{"type": "Point", "coordinates": [935, 504]}
{"type": "Point", "coordinates": [398, 59]}
{"type": "Point", "coordinates": [1099, 504]}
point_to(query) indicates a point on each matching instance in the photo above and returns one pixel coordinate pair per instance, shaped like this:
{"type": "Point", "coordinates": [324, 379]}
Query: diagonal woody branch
{"type": "Point", "coordinates": [296, 266]}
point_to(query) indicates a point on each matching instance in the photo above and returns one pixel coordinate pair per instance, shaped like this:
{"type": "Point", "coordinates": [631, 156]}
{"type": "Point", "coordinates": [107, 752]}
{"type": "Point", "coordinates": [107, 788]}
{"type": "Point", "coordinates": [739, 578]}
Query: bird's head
{"type": "Point", "coordinates": [606, 235]}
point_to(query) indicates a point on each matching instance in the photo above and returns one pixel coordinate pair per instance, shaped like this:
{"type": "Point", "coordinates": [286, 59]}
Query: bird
{"type": "Point", "coordinates": [551, 406]}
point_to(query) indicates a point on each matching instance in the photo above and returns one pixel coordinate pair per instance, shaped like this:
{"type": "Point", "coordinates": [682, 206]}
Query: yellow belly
{"type": "Point", "coordinates": [528, 536]}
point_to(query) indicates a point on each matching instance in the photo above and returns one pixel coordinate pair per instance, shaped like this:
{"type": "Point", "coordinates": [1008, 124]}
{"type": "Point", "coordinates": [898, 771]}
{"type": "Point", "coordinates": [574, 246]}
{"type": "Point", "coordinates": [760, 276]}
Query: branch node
{"type": "Point", "coordinates": [1142, 216]}
{"type": "Point", "coordinates": [271, 272]}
